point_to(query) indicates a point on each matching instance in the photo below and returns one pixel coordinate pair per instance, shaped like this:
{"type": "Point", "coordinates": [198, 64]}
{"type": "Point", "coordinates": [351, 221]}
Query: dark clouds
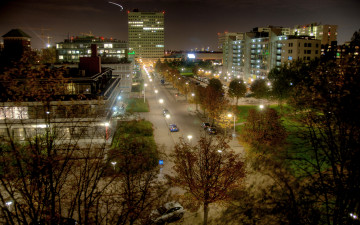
{"type": "Point", "coordinates": [188, 23]}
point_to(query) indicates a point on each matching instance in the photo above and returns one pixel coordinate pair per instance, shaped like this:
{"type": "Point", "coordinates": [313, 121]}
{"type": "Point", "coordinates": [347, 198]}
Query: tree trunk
{"type": "Point", "coordinates": [206, 212]}
{"type": "Point", "coordinates": [237, 99]}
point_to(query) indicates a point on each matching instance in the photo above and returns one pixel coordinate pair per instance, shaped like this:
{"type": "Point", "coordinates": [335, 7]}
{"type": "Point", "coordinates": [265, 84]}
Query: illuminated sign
{"type": "Point", "coordinates": [191, 56]}
{"type": "Point", "coordinates": [131, 53]}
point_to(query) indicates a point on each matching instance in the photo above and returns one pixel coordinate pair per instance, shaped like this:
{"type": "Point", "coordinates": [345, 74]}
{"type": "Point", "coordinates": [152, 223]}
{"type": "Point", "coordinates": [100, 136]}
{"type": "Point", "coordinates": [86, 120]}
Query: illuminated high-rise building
{"type": "Point", "coordinates": [146, 34]}
{"type": "Point", "coordinates": [325, 33]}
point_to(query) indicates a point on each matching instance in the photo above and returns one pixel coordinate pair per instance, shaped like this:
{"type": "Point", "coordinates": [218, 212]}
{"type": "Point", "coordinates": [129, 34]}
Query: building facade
{"type": "Point", "coordinates": [146, 34]}
{"type": "Point", "coordinates": [73, 48]}
{"type": "Point", "coordinates": [16, 42]}
{"type": "Point", "coordinates": [325, 33]}
{"type": "Point", "coordinates": [80, 112]}
{"type": "Point", "coordinates": [253, 54]}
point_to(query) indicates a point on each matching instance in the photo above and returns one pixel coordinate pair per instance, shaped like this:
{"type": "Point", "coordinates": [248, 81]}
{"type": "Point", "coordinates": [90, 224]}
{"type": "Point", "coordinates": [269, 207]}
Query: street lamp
{"type": "Point", "coordinates": [145, 85]}
{"type": "Point", "coordinates": [167, 116]}
{"type": "Point", "coordinates": [113, 163]}
{"type": "Point", "coordinates": [261, 106]}
{"type": "Point", "coordinates": [161, 101]}
{"type": "Point", "coordinates": [156, 91]}
{"type": "Point", "coordinates": [8, 204]}
{"type": "Point", "coordinates": [189, 137]}
{"type": "Point", "coordinates": [106, 130]}
{"type": "Point", "coordinates": [230, 115]}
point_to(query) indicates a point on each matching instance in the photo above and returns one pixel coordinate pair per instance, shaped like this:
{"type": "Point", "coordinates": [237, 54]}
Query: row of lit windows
{"type": "Point", "coordinates": [78, 56]}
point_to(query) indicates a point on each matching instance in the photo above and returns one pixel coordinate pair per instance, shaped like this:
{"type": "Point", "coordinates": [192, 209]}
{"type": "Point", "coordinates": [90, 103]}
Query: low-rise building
{"type": "Point", "coordinates": [73, 48]}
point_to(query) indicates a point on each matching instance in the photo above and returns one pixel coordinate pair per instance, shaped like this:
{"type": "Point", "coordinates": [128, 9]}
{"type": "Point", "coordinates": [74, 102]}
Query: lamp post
{"type": "Point", "coordinates": [230, 115]}
{"type": "Point", "coordinates": [113, 163]}
{"type": "Point", "coordinates": [8, 204]}
{"type": "Point", "coordinates": [106, 130]}
{"type": "Point", "coordinates": [189, 137]}
{"type": "Point", "coordinates": [193, 95]}
{"type": "Point", "coordinates": [145, 85]}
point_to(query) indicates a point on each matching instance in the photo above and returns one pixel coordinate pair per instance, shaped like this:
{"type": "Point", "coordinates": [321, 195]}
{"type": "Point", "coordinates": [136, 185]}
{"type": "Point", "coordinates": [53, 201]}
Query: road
{"type": "Point", "coordinates": [182, 114]}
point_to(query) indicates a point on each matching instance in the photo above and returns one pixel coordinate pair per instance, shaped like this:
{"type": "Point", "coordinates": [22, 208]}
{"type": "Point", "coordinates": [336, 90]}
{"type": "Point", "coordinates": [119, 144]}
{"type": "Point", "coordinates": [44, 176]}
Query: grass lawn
{"type": "Point", "coordinates": [137, 105]}
{"type": "Point", "coordinates": [186, 74]}
{"type": "Point", "coordinates": [298, 148]}
{"type": "Point", "coordinates": [134, 129]}
{"type": "Point", "coordinates": [140, 135]}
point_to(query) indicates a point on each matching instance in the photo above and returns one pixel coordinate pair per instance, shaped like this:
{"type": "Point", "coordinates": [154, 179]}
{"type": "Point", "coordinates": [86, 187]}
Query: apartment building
{"type": "Point", "coordinates": [253, 54]}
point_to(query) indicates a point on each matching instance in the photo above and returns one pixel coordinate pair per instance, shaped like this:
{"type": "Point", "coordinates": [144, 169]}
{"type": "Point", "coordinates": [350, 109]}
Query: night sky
{"type": "Point", "coordinates": [189, 24]}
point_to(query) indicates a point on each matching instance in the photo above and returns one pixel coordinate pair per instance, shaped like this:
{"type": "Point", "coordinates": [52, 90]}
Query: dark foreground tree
{"type": "Point", "coordinates": [329, 110]}
{"type": "Point", "coordinates": [207, 170]}
{"type": "Point", "coordinates": [260, 88]}
{"type": "Point", "coordinates": [237, 89]}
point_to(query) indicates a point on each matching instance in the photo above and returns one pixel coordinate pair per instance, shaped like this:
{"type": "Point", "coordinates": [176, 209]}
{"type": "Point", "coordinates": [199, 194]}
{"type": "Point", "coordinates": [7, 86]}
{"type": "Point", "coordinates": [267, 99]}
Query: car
{"type": "Point", "coordinates": [211, 130]}
{"type": "Point", "coordinates": [169, 212]}
{"type": "Point", "coordinates": [173, 128]}
{"type": "Point", "coordinates": [205, 125]}
{"type": "Point", "coordinates": [166, 112]}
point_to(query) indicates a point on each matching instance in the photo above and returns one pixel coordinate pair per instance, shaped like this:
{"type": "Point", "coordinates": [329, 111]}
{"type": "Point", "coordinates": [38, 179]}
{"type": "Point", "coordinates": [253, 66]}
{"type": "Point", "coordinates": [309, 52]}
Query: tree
{"type": "Point", "coordinates": [216, 86]}
{"type": "Point", "coordinates": [259, 88]}
{"type": "Point", "coordinates": [208, 170]}
{"type": "Point", "coordinates": [237, 89]}
{"type": "Point", "coordinates": [355, 39]}
{"type": "Point", "coordinates": [328, 110]}
{"type": "Point", "coordinates": [287, 76]}
{"type": "Point", "coordinates": [48, 55]}
{"type": "Point", "coordinates": [263, 129]}
{"type": "Point", "coordinates": [52, 173]}
{"type": "Point", "coordinates": [137, 170]}
{"type": "Point", "coordinates": [214, 102]}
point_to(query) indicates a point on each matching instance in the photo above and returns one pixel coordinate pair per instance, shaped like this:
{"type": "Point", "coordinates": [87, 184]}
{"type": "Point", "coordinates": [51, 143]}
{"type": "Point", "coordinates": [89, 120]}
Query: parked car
{"type": "Point", "coordinates": [205, 125]}
{"type": "Point", "coordinates": [169, 212]}
{"type": "Point", "coordinates": [173, 128]}
{"type": "Point", "coordinates": [211, 130]}
{"type": "Point", "coordinates": [166, 112]}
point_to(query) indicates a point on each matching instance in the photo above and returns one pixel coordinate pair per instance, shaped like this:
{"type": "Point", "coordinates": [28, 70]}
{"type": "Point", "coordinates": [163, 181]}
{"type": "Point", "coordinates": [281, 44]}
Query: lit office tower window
{"type": "Point", "coordinates": [146, 34]}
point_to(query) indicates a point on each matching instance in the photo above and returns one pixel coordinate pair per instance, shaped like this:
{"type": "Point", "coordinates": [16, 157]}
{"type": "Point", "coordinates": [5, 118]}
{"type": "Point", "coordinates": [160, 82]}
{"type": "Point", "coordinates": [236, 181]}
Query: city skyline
{"type": "Point", "coordinates": [189, 24]}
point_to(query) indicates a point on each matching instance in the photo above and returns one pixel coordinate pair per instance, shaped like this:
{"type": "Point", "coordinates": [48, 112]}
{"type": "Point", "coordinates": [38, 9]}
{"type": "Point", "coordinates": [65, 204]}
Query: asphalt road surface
{"type": "Point", "coordinates": [182, 114]}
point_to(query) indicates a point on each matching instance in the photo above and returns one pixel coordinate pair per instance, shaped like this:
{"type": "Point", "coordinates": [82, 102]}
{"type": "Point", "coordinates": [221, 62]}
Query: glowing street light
{"type": "Point", "coordinates": [113, 163]}
{"type": "Point", "coordinates": [230, 115]}
{"type": "Point", "coordinates": [161, 101]}
{"type": "Point", "coordinates": [189, 137]}
{"type": "Point", "coordinates": [156, 91]}
{"type": "Point", "coordinates": [167, 116]}
{"type": "Point", "coordinates": [106, 130]}
{"type": "Point", "coordinates": [261, 106]}
{"type": "Point", "coordinates": [145, 85]}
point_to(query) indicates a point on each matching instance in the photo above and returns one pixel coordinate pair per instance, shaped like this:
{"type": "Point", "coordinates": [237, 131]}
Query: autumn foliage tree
{"type": "Point", "coordinates": [263, 128]}
{"type": "Point", "coordinates": [207, 170]}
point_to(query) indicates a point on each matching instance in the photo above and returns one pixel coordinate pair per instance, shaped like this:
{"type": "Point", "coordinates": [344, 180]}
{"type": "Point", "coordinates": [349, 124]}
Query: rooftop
{"type": "Point", "coordinates": [16, 33]}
